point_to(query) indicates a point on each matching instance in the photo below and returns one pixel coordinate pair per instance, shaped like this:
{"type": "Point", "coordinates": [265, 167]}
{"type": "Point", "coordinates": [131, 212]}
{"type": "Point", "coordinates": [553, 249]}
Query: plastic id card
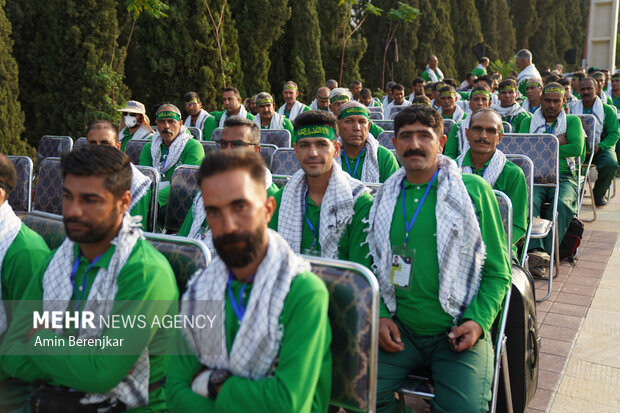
{"type": "Point", "coordinates": [402, 267]}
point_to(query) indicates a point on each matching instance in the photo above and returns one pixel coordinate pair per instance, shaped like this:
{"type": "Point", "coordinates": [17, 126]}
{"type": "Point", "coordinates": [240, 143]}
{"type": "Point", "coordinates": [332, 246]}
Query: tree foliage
{"type": "Point", "coordinates": [467, 33]}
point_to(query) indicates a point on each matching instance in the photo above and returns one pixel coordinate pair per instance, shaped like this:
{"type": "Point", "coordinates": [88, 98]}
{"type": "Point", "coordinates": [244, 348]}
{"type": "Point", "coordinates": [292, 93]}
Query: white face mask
{"type": "Point", "coordinates": [130, 121]}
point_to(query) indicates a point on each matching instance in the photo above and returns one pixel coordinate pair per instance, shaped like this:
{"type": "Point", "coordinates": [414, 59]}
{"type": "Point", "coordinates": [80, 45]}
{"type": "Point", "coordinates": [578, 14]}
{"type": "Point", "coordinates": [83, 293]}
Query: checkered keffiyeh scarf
{"type": "Point", "coordinates": [297, 108]}
{"type": "Point", "coordinates": [58, 290]}
{"type": "Point", "coordinates": [144, 132]}
{"type": "Point", "coordinates": [509, 112]}
{"type": "Point", "coordinates": [174, 151]}
{"type": "Point", "coordinates": [276, 122]}
{"type": "Point", "coordinates": [458, 114]}
{"type": "Point", "coordinates": [258, 340]}
{"type": "Point", "coordinates": [140, 184]}
{"type": "Point", "coordinates": [598, 112]}
{"type": "Point", "coordinates": [463, 142]}
{"type": "Point", "coordinates": [492, 172]}
{"type": "Point", "coordinates": [538, 126]}
{"type": "Point", "coordinates": [242, 114]}
{"type": "Point", "coordinates": [370, 167]}
{"type": "Point", "coordinates": [203, 115]}
{"type": "Point", "coordinates": [10, 225]}
{"type": "Point", "coordinates": [460, 249]}
{"type": "Point", "coordinates": [336, 210]}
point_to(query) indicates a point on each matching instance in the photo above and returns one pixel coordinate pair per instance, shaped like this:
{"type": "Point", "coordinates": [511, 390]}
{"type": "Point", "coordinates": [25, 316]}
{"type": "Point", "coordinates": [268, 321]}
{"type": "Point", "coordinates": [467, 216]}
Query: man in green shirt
{"type": "Point", "coordinates": [106, 269]}
{"type": "Point", "coordinates": [508, 108]}
{"type": "Point", "coordinates": [171, 146]}
{"type": "Point", "coordinates": [614, 100]}
{"type": "Point", "coordinates": [567, 128]}
{"type": "Point", "coordinates": [441, 258]}
{"type": "Point", "coordinates": [292, 107]}
{"type": "Point", "coordinates": [231, 99]}
{"type": "Point", "coordinates": [339, 96]}
{"type": "Point", "coordinates": [198, 117]}
{"type": "Point", "coordinates": [238, 133]}
{"type": "Point", "coordinates": [367, 100]}
{"type": "Point", "coordinates": [134, 122]}
{"type": "Point", "coordinates": [457, 142]}
{"type": "Point", "coordinates": [322, 210]}
{"type": "Point", "coordinates": [398, 99]}
{"type": "Point", "coordinates": [22, 251]}
{"type": "Point", "coordinates": [103, 132]}
{"type": "Point", "coordinates": [483, 159]}
{"type": "Point", "coordinates": [432, 72]}
{"type": "Point", "coordinates": [533, 91]}
{"type": "Point", "coordinates": [481, 69]}
{"type": "Point", "coordinates": [449, 109]}
{"type": "Point", "coordinates": [361, 155]}
{"type": "Point", "coordinates": [272, 351]}
{"type": "Point", "coordinates": [321, 101]}
{"type": "Point", "coordinates": [606, 136]}
{"type": "Point", "coordinates": [267, 117]}
{"type": "Point", "coordinates": [356, 87]}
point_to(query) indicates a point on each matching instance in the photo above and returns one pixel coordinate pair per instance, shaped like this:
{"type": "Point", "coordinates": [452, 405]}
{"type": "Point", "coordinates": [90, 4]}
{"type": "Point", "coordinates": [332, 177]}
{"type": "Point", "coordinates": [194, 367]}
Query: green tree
{"type": "Point", "coordinates": [552, 38]}
{"type": "Point", "coordinates": [524, 16]}
{"type": "Point", "coordinates": [297, 54]}
{"type": "Point", "coordinates": [466, 26]}
{"type": "Point", "coordinates": [259, 23]}
{"type": "Point", "coordinates": [435, 36]}
{"type": "Point", "coordinates": [497, 28]}
{"type": "Point", "coordinates": [401, 15]}
{"type": "Point", "coordinates": [11, 113]}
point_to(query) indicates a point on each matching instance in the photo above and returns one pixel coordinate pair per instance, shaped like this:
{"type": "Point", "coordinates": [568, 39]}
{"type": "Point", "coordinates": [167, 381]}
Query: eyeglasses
{"type": "Point", "coordinates": [130, 114]}
{"type": "Point", "coordinates": [480, 129]}
{"type": "Point", "coordinates": [234, 144]}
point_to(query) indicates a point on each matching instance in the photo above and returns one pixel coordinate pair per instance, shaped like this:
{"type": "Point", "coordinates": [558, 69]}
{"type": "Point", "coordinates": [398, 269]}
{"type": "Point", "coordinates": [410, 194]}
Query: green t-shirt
{"type": "Point", "coordinates": [419, 307]}
{"type": "Point", "coordinates": [479, 71]}
{"type": "Point", "coordinates": [142, 209]}
{"type": "Point", "coordinates": [192, 154]}
{"type": "Point", "coordinates": [610, 133]}
{"type": "Point", "coordinates": [301, 381]}
{"type": "Point", "coordinates": [287, 113]}
{"type": "Point", "coordinates": [385, 158]}
{"type": "Point", "coordinates": [452, 148]}
{"type": "Point", "coordinates": [213, 122]}
{"type": "Point", "coordinates": [515, 121]}
{"type": "Point", "coordinates": [375, 129]}
{"type": "Point", "coordinates": [352, 245]}
{"type": "Point", "coordinates": [127, 136]}
{"type": "Point", "coordinates": [427, 78]}
{"type": "Point", "coordinates": [145, 277]}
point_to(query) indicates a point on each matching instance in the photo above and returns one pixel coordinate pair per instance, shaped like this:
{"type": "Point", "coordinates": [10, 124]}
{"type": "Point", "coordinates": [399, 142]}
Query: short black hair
{"type": "Point", "coordinates": [578, 75]}
{"type": "Point", "coordinates": [449, 81]}
{"type": "Point", "coordinates": [241, 121]}
{"type": "Point", "coordinates": [102, 161]}
{"type": "Point", "coordinates": [317, 117]}
{"type": "Point", "coordinates": [564, 81]}
{"type": "Point", "coordinates": [231, 89]}
{"type": "Point", "coordinates": [507, 83]}
{"type": "Point", "coordinates": [485, 78]}
{"type": "Point", "coordinates": [437, 85]}
{"type": "Point", "coordinates": [8, 175]}
{"type": "Point", "coordinates": [191, 95]}
{"type": "Point", "coordinates": [417, 80]}
{"type": "Point", "coordinates": [103, 124]}
{"type": "Point", "coordinates": [398, 86]}
{"type": "Point", "coordinates": [366, 93]}
{"type": "Point", "coordinates": [355, 82]}
{"type": "Point", "coordinates": [419, 113]}
{"type": "Point", "coordinates": [552, 78]}
{"type": "Point", "coordinates": [216, 162]}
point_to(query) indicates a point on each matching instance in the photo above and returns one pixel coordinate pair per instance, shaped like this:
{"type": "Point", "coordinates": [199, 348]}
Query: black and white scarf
{"type": "Point", "coordinates": [492, 171]}
{"type": "Point", "coordinates": [10, 225]}
{"type": "Point", "coordinates": [370, 167]}
{"type": "Point", "coordinates": [174, 151]}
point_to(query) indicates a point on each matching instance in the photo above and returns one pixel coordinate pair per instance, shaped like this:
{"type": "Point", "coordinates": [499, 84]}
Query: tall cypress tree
{"type": "Point", "coordinates": [259, 24]}
{"type": "Point", "coordinates": [497, 28]}
{"type": "Point", "coordinates": [524, 16]}
{"type": "Point", "coordinates": [297, 54]}
{"type": "Point", "coordinates": [545, 43]}
{"type": "Point", "coordinates": [466, 26]}
{"type": "Point", "coordinates": [435, 36]}
{"type": "Point", "coordinates": [11, 113]}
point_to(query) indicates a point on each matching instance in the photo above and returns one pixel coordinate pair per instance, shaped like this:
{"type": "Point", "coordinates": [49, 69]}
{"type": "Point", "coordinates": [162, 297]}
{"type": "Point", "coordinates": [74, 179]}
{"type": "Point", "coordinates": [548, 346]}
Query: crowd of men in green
{"type": "Point", "coordinates": [432, 234]}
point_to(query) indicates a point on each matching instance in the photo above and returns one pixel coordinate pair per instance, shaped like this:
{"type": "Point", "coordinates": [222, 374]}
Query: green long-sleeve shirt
{"type": "Point", "coordinates": [352, 245]}
{"type": "Point", "coordinates": [146, 276]}
{"type": "Point", "coordinates": [22, 259]}
{"type": "Point", "coordinates": [452, 146]}
{"type": "Point", "coordinates": [419, 308]}
{"type": "Point", "coordinates": [127, 136]}
{"type": "Point", "coordinates": [510, 181]}
{"type": "Point", "coordinates": [302, 379]}
{"type": "Point", "coordinates": [613, 101]}
{"type": "Point", "coordinates": [575, 136]}
{"type": "Point", "coordinates": [610, 133]}
{"type": "Point", "coordinates": [142, 209]}
{"type": "Point", "coordinates": [375, 129]}
{"type": "Point", "coordinates": [385, 158]}
{"type": "Point", "coordinates": [213, 122]}
{"type": "Point", "coordinates": [192, 154]}
{"type": "Point", "coordinates": [515, 121]}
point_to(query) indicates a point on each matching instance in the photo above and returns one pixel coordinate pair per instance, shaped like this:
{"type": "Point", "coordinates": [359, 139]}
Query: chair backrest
{"type": "Point", "coordinates": [505, 210]}
{"type": "Point", "coordinates": [372, 109]}
{"type": "Point", "coordinates": [284, 162]}
{"type": "Point", "coordinates": [51, 145]}
{"type": "Point", "coordinates": [447, 125]}
{"type": "Point", "coordinates": [153, 204]}
{"type": "Point", "coordinates": [209, 146]}
{"type": "Point", "coordinates": [216, 135]}
{"type": "Point", "coordinates": [49, 226]}
{"type": "Point", "coordinates": [588, 122]}
{"type": "Point", "coordinates": [376, 115]}
{"type": "Point", "coordinates": [185, 255]}
{"type": "Point", "coordinates": [48, 190]}
{"type": "Point", "coordinates": [183, 189]}
{"type": "Point", "coordinates": [267, 151]}
{"type": "Point", "coordinates": [81, 141]}
{"type": "Point", "coordinates": [278, 137]}
{"type": "Point", "coordinates": [196, 132]}
{"type": "Point", "coordinates": [395, 109]}
{"type": "Point", "coordinates": [385, 139]}
{"type": "Point", "coordinates": [280, 180]}
{"type": "Point", "coordinates": [527, 166]}
{"type": "Point", "coordinates": [353, 315]}
{"type": "Point", "coordinates": [543, 149]}
{"type": "Point", "coordinates": [134, 149]}
{"type": "Point", "coordinates": [507, 127]}
{"type": "Point", "coordinates": [384, 124]}
{"type": "Point", "coordinates": [20, 198]}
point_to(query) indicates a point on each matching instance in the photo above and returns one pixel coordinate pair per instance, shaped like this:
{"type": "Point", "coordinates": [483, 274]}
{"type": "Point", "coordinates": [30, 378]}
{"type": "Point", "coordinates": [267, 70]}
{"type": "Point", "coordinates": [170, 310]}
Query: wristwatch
{"type": "Point", "coordinates": [217, 378]}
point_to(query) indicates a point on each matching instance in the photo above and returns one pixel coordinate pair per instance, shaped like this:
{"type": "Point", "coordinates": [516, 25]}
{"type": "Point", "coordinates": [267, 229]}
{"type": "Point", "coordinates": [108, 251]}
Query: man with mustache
{"type": "Point", "coordinates": [362, 156]}
{"type": "Point", "coordinates": [322, 210]}
{"type": "Point", "coordinates": [171, 146]}
{"type": "Point", "coordinates": [271, 352]}
{"type": "Point", "coordinates": [442, 264]}
{"type": "Point", "coordinates": [457, 142]}
{"type": "Point", "coordinates": [231, 101]}
{"type": "Point", "coordinates": [106, 267]}
{"type": "Point", "coordinates": [338, 97]}
{"type": "Point", "coordinates": [551, 118]}
{"type": "Point", "coordinates": [606, 136]}
{"type": "Point", "coordinates": [267, 117]}
{"type": "Point", "coordinates": [485, 160]}
{"type": "Point", "coordinates": [292, 107]}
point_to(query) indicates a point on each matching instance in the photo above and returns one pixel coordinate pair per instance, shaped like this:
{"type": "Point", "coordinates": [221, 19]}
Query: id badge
{"type": "Point", "coordinates": [402, 267]}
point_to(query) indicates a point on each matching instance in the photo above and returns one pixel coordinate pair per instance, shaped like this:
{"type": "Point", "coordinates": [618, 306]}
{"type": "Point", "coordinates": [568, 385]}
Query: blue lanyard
{"type": "Point", "coordinates": [314, 232]}
{"type": "Point", "coordinates": [76, 264]}
{"type": "Point", "coordinates": [616, 101]}
{"type": "Point", "coordinates": [346, 158]}
{"type": "Point", "coordinates": [534, 108]}
{"type": "Point", "coordinates": [238, 307]}
{"type": "Point", "coordinates": [409, 225]}
{"type": "Point", "coordinates": [165, 159]}
{"type": "Point", "coordinates": [549, 129]}
{"type": "Point", "coordinates": [483, 171]}
{"type": "Point", "coordinates": [588, 111]}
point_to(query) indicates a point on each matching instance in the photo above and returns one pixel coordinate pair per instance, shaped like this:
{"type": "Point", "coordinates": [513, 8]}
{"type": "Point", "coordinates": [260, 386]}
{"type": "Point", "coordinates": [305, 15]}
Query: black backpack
{"type": "Point", "coordinates": [572, 239]}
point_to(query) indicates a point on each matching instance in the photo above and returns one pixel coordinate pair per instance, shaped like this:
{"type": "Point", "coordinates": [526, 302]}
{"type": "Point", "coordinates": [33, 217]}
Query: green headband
{"type": "Point", "coordinates": [533, 84]}
{"type": "Point", "coordinates": [192, 101]}
{"type": "Point", "coordinates": [554, 90]}
{"type": "Point", "coordinates": [480, 92]}
{"type": "Point", "coordinates": [264, 101]}
{"type": "Point", "coordinates": [354, 110]}
{"type": "Point", "coordinates": [339, 98]}
{"type": "Point", "coordinates": [447, 93]}
{"type": "Point", "coordinates": [315, 131]}
{"type": "Point", "coordinates": [508, 88]}
{"type": "Point", "coordinates": [322, 97]}
{"type": "Point", "coordinates": [615, 76]}
{"type": "Point", "coordinates": [168, 114]}
{"type": "Point", "coordinates": [290, 87]}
